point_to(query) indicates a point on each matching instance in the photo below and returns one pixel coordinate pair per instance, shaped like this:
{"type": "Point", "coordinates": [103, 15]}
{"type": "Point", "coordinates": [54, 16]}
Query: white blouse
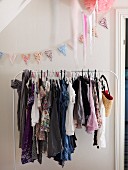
{"type": "Point", "coordinates": [101, 140]}
{"type": "Point", "coordinates": [69, 123]}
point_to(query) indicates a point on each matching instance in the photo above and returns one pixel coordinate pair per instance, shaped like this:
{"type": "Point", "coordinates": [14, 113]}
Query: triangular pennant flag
{"type": "Point", "coordinates": [49, 54]}
{"type": "Point", "coordinates": [1, 54]}
{"type": "Point", "coordinates": [70, 44]}
{"type": "Point", "coordinates": [81, 38]}
{"type": "Point", "coordinates": [103, 23]}
{"type": "Point", "coordinates": [26, 58]}
{"type": "Point", "coordinates": [12, 57]}
{"type": "Point", "coordinates": [63, 49]}
{"type": "Point", "coordinates": [38, 56]}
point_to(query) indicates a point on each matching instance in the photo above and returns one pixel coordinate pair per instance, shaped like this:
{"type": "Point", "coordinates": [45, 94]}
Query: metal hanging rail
{"type": "Point", "coordinates": [77, 71]}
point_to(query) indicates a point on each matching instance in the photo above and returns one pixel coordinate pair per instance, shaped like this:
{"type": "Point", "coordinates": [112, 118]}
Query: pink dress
{"type": "Point", "coordinates": [92, 123]}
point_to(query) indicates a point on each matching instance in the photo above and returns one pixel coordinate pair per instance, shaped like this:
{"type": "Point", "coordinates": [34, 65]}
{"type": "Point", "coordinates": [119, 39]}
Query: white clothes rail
{"type": "Point", "coordinates": [78, 71]}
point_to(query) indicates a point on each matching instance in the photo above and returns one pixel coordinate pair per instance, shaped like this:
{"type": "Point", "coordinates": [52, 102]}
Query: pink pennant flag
{"type": "Point", "coordinates": [12, 57]}
{"type": "Point", "coordinates": [38, 56]}
{"type": "Point", "coordinates": [81, 39]}
{"type": "Point", "coordinates": [25, 57]}
{"type": "Point", "coordinates": [103, 23]}
{"type": "Point", "coordinates": [49, 54]}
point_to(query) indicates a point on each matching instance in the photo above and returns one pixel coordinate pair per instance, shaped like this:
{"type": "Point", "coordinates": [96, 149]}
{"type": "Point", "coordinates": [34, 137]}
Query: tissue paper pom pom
{"type": "Point", "coordinates": [104, 5]}
{"type": "Point", "coordinates": [88, 5]}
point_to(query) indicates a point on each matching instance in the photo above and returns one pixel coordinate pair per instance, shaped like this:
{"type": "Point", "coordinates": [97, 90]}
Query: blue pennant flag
{"type": "Point", "coordinates": [1, 54]}
{"type": "Point", "coordinates": [63, 49]}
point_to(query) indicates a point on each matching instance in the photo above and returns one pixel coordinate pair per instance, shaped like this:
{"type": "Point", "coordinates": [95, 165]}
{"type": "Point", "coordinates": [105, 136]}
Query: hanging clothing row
{"type": "Point", "coordinates": [51, 107]}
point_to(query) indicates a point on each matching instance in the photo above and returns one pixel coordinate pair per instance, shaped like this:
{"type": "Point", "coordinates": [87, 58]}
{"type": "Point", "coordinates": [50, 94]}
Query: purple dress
{"type": "Point", "coordinates": [28, 132]}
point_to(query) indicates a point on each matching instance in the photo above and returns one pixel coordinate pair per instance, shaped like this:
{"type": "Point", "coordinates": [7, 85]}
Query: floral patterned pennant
{"type": "Point", "coordinates": [49, 54]}
{"type": "Point", "coordinates": [103, 23]}
{"type": "Point", "coordinates": [38, 56]}
{"type": "Point", "coordinates": [81, 38]}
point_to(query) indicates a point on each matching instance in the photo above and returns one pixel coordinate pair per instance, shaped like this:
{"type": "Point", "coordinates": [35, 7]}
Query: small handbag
{"type": "Point", "coordinates": [107, 98]}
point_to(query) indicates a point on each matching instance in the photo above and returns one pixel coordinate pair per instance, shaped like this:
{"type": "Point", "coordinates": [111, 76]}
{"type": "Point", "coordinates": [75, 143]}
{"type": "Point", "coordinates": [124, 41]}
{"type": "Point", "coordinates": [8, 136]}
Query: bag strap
{"type": "Point", "coordinates": [102, 76]}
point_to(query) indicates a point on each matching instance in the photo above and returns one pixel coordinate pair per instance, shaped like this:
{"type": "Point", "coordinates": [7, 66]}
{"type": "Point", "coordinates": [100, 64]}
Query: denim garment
{"type": "Point", "coordinates": [126, 95]}
{"type": "Point", "coordinates": [66, 140]}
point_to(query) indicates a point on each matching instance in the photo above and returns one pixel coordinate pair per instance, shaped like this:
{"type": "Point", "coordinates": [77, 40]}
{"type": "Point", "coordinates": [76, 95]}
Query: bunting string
{"type": "Point", "coordinates": [39, 55]}
{"type": "Point", "coordinates": [62, 48]}
{"type": "Point", "coordinates": [89, 27]}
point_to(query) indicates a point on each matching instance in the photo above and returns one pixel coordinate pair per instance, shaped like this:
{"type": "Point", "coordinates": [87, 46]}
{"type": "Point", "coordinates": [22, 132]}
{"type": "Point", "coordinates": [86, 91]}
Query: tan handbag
{"type": "Point", "coordinates": [107, 99]}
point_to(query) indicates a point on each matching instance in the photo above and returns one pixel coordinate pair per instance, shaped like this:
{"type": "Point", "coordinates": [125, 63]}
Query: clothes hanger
{"type": "Point", "coordinates": [95, 76]}
{"type": "Point", "coordinates": [72, 79]}
{"type": "Point", "coordinates": [88, 74]}
{"type": "Point", "coordinates": [61, 74]}
{"type": "Point", "coordinates": [47, 76]}
{"type": "Point", "coordinates": [41, 74]}
{"type": "Point", "coordinates": [82, 73]}
{"type": "Point", "coordinates": [64, 75]}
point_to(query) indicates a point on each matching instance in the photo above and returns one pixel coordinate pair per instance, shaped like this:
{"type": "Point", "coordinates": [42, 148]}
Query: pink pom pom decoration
{"type": "Point", "coordinates": [87, 6]}
{"type": "Point", "coordinates": [104, 5]}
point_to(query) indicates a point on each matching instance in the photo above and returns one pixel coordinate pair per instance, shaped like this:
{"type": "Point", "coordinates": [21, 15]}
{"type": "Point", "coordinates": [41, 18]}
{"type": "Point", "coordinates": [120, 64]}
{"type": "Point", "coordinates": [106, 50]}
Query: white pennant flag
{"type": "Point", "coordinates": [12, 57]}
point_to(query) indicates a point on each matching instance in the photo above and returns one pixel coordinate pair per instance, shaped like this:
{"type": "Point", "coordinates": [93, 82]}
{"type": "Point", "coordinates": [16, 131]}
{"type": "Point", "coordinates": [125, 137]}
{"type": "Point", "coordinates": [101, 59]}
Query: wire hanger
{"type": "Point", "coordinates": [41, 74]}
{"type": "Point", "coordinates": [88, 74]}
{"type": "Point", "coordinates": [82, 73]}
{"type": "Point", "coordinates": [47, 76]}
{"type": "Point", "coordinates": [64, 74]}
{"type": "Point", "coordinates": [61, 74]}
{"type": "Point", "coordinates": [95, 76]}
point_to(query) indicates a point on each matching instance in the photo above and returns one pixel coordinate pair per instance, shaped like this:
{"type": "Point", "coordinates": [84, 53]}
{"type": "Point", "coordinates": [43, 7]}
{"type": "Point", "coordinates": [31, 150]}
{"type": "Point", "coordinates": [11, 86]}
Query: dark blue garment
{"type": "Point", "coordinates": [126, 95]}
{"type": "Point", "coordinates": [65, 154]}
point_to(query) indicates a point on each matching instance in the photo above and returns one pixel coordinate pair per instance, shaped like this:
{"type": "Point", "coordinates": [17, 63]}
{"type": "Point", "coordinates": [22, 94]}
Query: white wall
{"type": "Point", "coordinates": [29, 32]}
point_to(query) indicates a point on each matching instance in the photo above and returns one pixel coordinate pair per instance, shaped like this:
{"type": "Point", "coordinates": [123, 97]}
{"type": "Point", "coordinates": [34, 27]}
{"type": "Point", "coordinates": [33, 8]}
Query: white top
{"type": "Point", "coordinates": [35, 110]}
{"type": "Point", "coordinates": [69, 123]}
{"type": "Point", "coordinates": [101, 132]}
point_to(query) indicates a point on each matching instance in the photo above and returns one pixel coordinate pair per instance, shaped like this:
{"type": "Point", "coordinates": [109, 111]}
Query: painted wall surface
{"type": "Point", "coordinates": [33, 30]}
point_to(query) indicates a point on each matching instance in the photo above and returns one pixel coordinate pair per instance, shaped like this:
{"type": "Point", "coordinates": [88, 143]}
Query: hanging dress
{"type": "Point", "coordinates": [69, 123]}
{"type": "Point", "coordinates": [92, 123]}
{"type": "Point", "coordinates": [22, 90]}
{"type": "Point", "coordinates": [101, 141]}
{"type": "Point", "coordinates": [28, 132]}
{"type": "Point", "coordinates": [54, 137]}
